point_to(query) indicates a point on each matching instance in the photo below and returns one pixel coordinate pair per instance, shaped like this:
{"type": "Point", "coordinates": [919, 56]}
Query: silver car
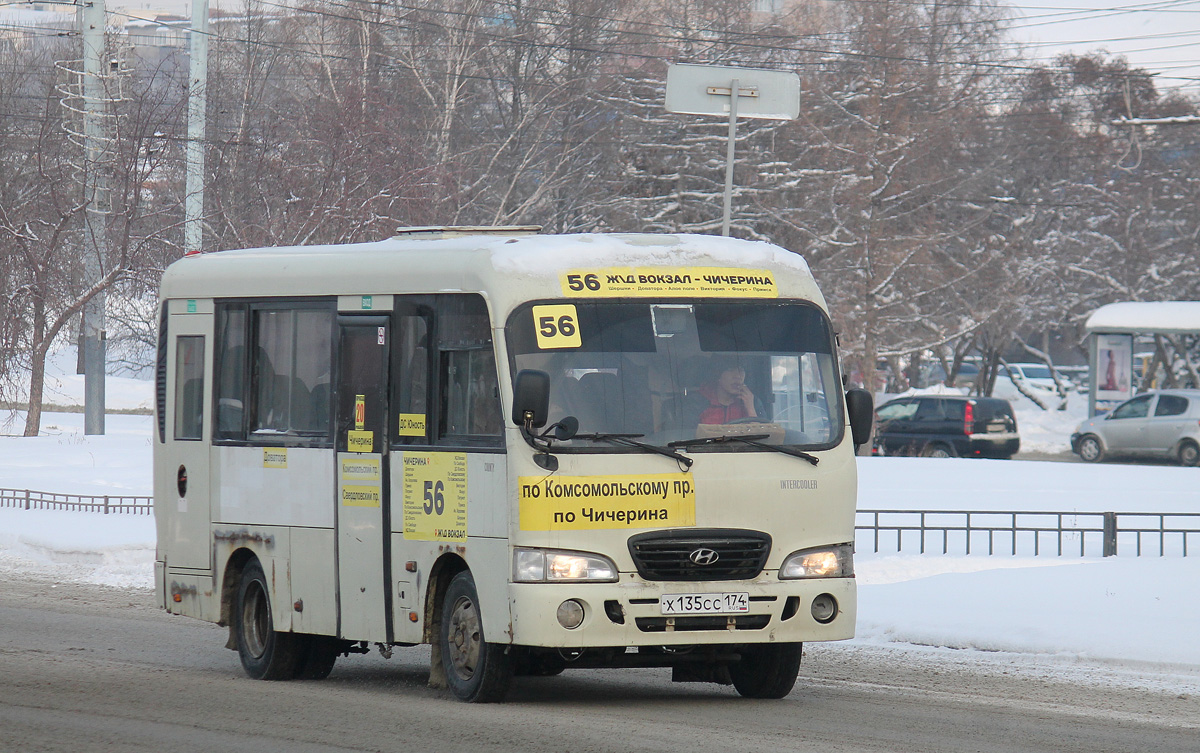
{"type": "Point", "coordinates": [1159, 423]}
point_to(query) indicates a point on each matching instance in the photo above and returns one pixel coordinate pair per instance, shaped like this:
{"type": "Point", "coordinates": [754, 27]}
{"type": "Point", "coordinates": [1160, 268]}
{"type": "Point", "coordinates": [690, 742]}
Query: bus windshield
{"type": "Point", "coordinates": [670, 371]}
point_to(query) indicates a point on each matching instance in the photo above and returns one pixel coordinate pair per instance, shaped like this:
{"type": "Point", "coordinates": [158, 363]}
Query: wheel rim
{"type": "Point", "coordinates": [256, 620]}
{"type": "Point", "coordinates": [464, 638]}
{"type": "Point", "coordinates": [1089, 449]}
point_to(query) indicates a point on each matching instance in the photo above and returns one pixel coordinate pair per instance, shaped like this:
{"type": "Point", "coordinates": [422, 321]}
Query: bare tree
{"type": "Point", "coordinates": [42, 206]}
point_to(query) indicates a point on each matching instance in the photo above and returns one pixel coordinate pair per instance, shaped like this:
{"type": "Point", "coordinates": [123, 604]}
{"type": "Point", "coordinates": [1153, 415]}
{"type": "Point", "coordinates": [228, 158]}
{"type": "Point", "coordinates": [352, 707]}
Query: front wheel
{"type": "Point", "coordinates": [265, 653]}
{"type": "Point", "coordinates": [767, 670]}
{"type": "Point", "coordinates": [1189, 454]}
{"type": "Point", "coordinates": [476, 671]}
{"type": "Point", "coordinates": [316, 656]}
{"type": "Point", "coordinates": [1090, 450]}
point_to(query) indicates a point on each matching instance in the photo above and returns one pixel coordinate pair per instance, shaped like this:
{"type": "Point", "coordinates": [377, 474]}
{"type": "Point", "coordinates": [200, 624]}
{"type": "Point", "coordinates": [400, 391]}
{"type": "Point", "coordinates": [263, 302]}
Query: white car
{"type": "Point", "coordinates": [1159, 423]}
{"type": "Point", "coordinates": [1037, 375]}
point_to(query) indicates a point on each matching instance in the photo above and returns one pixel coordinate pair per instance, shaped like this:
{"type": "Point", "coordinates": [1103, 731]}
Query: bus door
{"type": "Point", "coordinates": [189, 334]}
{"type": "Point", "coordinates": [363, 511]}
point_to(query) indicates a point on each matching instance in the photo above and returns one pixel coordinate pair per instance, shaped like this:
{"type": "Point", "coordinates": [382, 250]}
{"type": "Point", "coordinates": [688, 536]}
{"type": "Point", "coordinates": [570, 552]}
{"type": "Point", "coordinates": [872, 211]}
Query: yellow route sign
{"type": "Point", "coordinates": [435, 496]}
{"type": "Point", "coordinates": [557, 326]}
{"type": "Point", "coordinates": [571, 503]}
{"type": "Point", "coordinates": [659, 282]}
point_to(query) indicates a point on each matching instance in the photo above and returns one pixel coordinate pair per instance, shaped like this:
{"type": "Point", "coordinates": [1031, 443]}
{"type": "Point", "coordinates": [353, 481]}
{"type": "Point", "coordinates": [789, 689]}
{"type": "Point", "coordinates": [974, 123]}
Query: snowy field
{"type": "Point", "coordinates": [1115, 615]}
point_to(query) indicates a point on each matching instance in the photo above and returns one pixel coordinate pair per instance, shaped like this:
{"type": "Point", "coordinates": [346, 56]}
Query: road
{"type": "Point", "coordinates": [85, 668]}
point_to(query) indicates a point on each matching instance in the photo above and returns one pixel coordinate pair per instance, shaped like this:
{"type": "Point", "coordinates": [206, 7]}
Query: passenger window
{"type": "Point", "coordinates": [470, 392]}
{"type": "Point", "coordinates": [1171, 405]}
{"type": "Point", "coordinates": [1135, 408]}
{"type": "Point", "coordinates": [230, 370]}
{"type": "Point", "coordinates": [410, 412]}
{"type": "Point", "coordinates": [954, 410]}
{"type": "Point", "coordinates": [930, 410]}
{"type": "Point", "coordinates": [189, 387]}
{"type": "Point", "coordinates": [893, 411]}
{"type": "Point", "coordinates": [290, 369]}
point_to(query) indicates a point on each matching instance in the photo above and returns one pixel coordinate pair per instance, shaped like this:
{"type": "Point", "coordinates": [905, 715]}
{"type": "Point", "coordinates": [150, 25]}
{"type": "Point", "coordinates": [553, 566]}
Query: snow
{"type": "Point", "coordinates": [1136, 609]}
{"type": "Point", "coordinates": [64, 387]}
{"type": "Point", "coordinates": [1166, 317]}
{"type": "Point", "coordinates": [534, 254]}
{"type": "Point", "coordinates": [1118, 612]}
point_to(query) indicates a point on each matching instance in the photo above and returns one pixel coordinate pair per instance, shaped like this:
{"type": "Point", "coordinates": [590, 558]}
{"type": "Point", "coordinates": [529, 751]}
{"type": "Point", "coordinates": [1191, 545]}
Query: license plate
{"type": "Point", "coordinates": [727, 603]}
{"type": "Point", "coordinates": [997, 428]}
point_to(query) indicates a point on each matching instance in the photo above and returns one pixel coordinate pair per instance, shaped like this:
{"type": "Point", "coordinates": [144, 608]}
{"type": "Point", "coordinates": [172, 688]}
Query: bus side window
{"type": "Point", "coordinates": [471, 394]}
{"type": "Point", "coordinates": [230, 370]}
{"type": "Point", "coordinates": [470, 391]}
{"type": "Point", "coordinates": [410, 411]}
{"type": "Point", "coordinates": [189, 387]}
{"type": "Point", "coordinates": [291, 365]}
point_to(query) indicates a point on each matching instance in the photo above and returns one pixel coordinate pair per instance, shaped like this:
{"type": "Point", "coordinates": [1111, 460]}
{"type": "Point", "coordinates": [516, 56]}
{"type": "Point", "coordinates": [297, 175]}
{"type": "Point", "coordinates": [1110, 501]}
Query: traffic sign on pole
{"type": "Point", "coordinates": [732, 92]}
{"type": "Point", "coordinates": [705, 90]}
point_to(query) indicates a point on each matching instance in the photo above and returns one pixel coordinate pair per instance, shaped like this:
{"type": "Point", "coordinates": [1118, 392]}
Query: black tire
{"type": "Point", "coordinates": [318, 654]}
{"type": "Point", "coordinates": [476, 671]}
{"type": "Point", "coordinates": [1189, 453]}
{"type": "Point", "coordinates": [265, 653]}
{"type": "Point", "coordinates": [767, 670]}
{"type": "Point", "coordinates": [936, 450]}
{"type": "Point", "coordinates": [1090, 449]}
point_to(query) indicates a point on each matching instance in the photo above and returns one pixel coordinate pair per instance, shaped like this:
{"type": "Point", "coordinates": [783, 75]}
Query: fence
{"type": "Point", "coordinates": [1027, 533]}
{"type": "Point", "coordinates": [900, 531]}
{"type": "Point", "coordinates": [30, 500]}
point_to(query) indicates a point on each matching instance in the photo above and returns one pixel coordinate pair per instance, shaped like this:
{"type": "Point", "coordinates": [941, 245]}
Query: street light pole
{"type": "Point", "coordinates": [93, 19]}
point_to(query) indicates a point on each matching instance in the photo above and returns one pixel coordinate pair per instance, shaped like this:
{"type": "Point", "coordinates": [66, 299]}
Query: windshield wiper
{"type": "Point", "coordinates": [629, 441]}
{"type": "Point", "coordinates": [750, 439]}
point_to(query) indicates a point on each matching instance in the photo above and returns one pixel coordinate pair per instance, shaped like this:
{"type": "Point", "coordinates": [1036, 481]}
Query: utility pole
{"type": "Point", "coordinates": [92, 21]}
{"type": "Point", "coordinates": [193, 203]}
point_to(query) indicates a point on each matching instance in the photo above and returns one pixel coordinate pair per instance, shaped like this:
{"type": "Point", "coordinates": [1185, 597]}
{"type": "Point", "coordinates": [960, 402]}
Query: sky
{"type": "Point", "coordinates": [1162, 36]}
{"type": "Point", "coordinates": [1123, 620]}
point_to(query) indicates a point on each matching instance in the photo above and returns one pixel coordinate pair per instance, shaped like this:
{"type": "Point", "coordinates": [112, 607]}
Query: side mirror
{"type": "Point", "coordinates": [566, 428]}
{"type": "Point", "coordinates": [861, 407]}
{"type": "Point", "coordinates": [531, 398]}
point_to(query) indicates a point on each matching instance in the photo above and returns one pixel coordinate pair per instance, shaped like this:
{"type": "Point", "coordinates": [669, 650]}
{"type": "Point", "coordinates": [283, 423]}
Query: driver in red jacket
{"type": "Point", "coordinates": [728, 397]}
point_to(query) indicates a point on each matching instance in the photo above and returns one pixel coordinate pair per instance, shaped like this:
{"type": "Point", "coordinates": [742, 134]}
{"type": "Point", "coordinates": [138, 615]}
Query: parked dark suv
{"type": "Point", "coordinates": [945, 426]}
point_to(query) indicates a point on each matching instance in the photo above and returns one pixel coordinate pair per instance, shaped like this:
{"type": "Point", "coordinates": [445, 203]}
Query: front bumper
{"type": "Point", "coordinates": [628, 613]}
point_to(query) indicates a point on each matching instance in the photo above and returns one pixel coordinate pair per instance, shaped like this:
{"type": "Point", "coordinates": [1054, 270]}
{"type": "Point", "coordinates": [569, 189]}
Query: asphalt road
{"type": "Point", "coordinates": [84, 668]}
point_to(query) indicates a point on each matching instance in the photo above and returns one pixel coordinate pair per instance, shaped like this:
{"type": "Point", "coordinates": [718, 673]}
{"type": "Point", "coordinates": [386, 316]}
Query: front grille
{"type": "Point", "coordinates": [668, 555]}
{"type": "Point", "coordinates": [722, 622]}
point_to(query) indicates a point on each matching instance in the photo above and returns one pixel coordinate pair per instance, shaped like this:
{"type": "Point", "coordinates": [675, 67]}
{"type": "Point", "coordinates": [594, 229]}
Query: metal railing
{"type": "Point", "coordinates": [1027, 533]}
{"type": "Point", "coordinates": [26, 499]}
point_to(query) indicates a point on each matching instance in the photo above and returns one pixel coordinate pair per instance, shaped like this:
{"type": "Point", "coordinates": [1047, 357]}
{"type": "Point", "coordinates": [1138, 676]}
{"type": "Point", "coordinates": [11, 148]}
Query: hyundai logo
{"type": "Point", "coordinates": [704, 556]}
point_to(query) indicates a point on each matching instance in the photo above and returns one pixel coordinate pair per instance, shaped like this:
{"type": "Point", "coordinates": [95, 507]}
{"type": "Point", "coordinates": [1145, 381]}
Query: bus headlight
{"type": "Point", "coordinates": [557, 566]}
{"type": "Point", "coordinates": [823, 562]}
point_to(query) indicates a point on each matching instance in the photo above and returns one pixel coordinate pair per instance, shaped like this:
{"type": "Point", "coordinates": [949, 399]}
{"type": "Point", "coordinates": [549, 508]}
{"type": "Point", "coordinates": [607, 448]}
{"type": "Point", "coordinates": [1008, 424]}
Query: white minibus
{"type": "Point", "coordinates": [532, 452]}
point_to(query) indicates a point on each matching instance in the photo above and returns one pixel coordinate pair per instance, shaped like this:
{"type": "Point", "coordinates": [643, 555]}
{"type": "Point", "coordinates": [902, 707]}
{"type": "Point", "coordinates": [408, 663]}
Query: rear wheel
{"type": "Point", "coordinates": [1189, 453]}
{"type": "Point", "coordinates": [767, 670]}
{"type": "Point", "coordinates": [265, 653]}
{"type": "Point", "coordinates": [936, 451]}
{"type": "Point", "coordinates": [476, 671]}
{"type": "Point", "coordinates": [1090, 450]}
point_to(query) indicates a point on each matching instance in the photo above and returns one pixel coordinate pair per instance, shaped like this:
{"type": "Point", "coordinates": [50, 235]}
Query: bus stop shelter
{"type": "Point", "coordinates": [1111, 331]}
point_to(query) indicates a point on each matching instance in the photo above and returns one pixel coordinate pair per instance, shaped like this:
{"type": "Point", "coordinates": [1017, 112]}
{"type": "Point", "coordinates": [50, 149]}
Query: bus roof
{"type": "Point", "coordinates": [508, 265]}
